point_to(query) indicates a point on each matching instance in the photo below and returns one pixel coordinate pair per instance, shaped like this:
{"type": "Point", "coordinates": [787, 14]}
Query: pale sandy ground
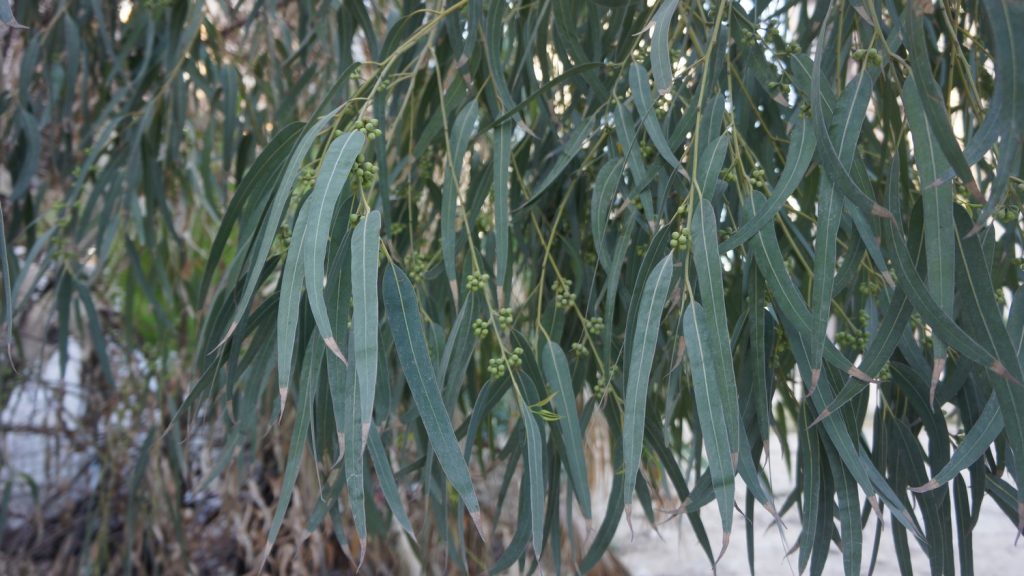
{"type": "Point", "coordinates": [677, 552]}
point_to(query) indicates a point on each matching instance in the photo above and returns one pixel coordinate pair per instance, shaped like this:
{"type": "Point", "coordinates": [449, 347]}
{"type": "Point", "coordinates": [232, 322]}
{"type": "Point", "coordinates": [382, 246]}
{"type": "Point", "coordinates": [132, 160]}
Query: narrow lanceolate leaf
{"type": "Point", "coordinates": [931, 96]}
{"type": "Point", "coordinates": [288, 306]}
{"type": "Point", "coordinates": [502, 160]}
{"type": "Point", "coordinates": [572, 147]}
{"type": "Point", "coordinates": [411, 345]}
{"type": "Point", "coordinates": [334, 169]}
{"type": "Point", "coordinates": [457, 142]}
{"type": "Point", "coordinates": [365, 252]}
{"type": "Point", "coordinates": [307, 386]}
{"type": "Point", "coordinates": [801, 151]}
{"type": "Point", "coordinates": [938, 215]}
{"type": "Point", "coordinates": [645, 107]}
{"type": "Point", "coordinates": [534, 468]}
{"type": "Point", "coordinates": [833, 165]}
{"type": "Point", "coordinates": [645, 340]}
{"type": "Point", "coordinates": [354, 459]}
{"type": "Point", "coordinates": [811, 467]}
{"type": "Point", "coordinates": [556, 370]}
{"type": "Point", "coordinates": [974, 445]}
{"type": "Point", "coordinates": [847, 120]}
{"type": "Point", "coordinates": [605, 187]}
{"type": "Point", "coordinates": [626, 133]}
{"type": "Point", "coordinates": [711, 413]}
{"type": "Point", "coordinates": [964, 527]}
{"type": "Point", "coordinates": [883, 342]}
{"type": "Point", "coordinates": [712, 295]}
{"type": "Point", "coordinates": [848, 511]}
{"type": "Point", "coordinates": [712, 157]}
{"type": "Point", "coordinates": [387, 481]}
{"type": "Point", "coordinates": [661, 60]}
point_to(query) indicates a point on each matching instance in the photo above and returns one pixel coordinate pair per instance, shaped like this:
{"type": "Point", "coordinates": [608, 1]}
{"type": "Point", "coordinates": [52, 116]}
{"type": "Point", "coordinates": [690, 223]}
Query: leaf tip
{"type": "Point", "coordinates": [332, 345]}
{"type": "Point", "coordinates": [362, 552]}
{"type": "Point", "coordinates": [227, 336]}
{"type": "Point", "coordinates": [478, 522]}
{"type": "Point", "coordinates": [1000, 369]}
{"type": "Point", "coordinates": [283, 393]}
{"type": "Point", "coordinates": [882, 212]}
{"type": "Point", "coordinates": [825, 413]}
{"type": "Point", "coordinates": [726, 536]}
{"type": "Point", "coordinates": [873, 500]}
{"type": "Point", "coordinates": [928, 486]}
{"type": "Point", "coordinates": [861, 375]}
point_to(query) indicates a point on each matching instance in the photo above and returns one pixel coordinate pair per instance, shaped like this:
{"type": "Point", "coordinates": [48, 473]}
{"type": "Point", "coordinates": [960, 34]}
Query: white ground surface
{"type": "Point", "coordinates": [677, 553]}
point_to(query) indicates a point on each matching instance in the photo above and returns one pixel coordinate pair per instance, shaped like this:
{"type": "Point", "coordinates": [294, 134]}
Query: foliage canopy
{"type": "Point", "coordinates": [443, 239]}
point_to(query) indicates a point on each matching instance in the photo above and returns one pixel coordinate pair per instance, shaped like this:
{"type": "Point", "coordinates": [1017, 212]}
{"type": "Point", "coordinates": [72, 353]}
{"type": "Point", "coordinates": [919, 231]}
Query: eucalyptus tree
{"type": "Point", "coordinates": [446, 239]}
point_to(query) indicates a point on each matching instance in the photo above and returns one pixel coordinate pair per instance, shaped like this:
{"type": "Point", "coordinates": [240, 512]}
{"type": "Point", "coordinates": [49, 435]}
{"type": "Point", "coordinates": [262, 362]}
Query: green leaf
{"type": "Point", "coordinates": [827, 153]}
{"type": "Point", "coordinates": [572, 147]}
{"type": "Point", "coordinates": [712, 296]}
{"type": "Point", "coordinates": [407, 330]}
{"type": "Point", "coordinates": [710, 164]}
{"type": "Point", "coordinates": [605, 187]}
{"type": "Point", "coordinates": [365, 251]}
{"type": "Point", "coordinates": [354, 445]}
{"type": "Point", "coordinates": [334, 170]}
{"type": "Point", "coordinates": [289, 305]}
{"type": "Point", "coordinates": [645, 340]}
{"type": "Point", "coordinates": [502, 218]}
{"type": "Point", "coordinates": [711, 412]}
{"type": "Point", "coordinates": [534, 468]}
{"type": "Point", "coordinates": [457, 143]}
{"type": "Point", "coordinates": [964, 528]}
{"type": "Point", "coordinates": [801, 151]}
{"type": "Point", "coordinates": [556, 370]}
{"type": "Point", "coordinates": [568, 75]}
{"type": "Point", "coordinates": [661, 62]}
{"type": "Point", "coordinates": [492, 45]}
{"type": "Point", "coordinates": [848, 511]}
{"type": "Point", "coordinates": [846, 127]}
{"type": "Point", "coordinates": [938, 214]}
{"type": "Point", "coordinates": [603, 538]}
{"type": "Point", "coordinates": [884, 339]}
{"type": "Point", "coordinates": [310, 376]}
{"type": "Point", "coordinates": [931, 96]}
{"type": "Point", "coordinates": [640, 85]}
{"type": "Point", "coordinates": [974, 445]}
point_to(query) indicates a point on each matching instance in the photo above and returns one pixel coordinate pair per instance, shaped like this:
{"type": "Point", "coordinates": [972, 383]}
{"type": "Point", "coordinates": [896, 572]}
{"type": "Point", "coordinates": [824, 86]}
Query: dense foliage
{"type": "Point", "coordinates": [435, 243]}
